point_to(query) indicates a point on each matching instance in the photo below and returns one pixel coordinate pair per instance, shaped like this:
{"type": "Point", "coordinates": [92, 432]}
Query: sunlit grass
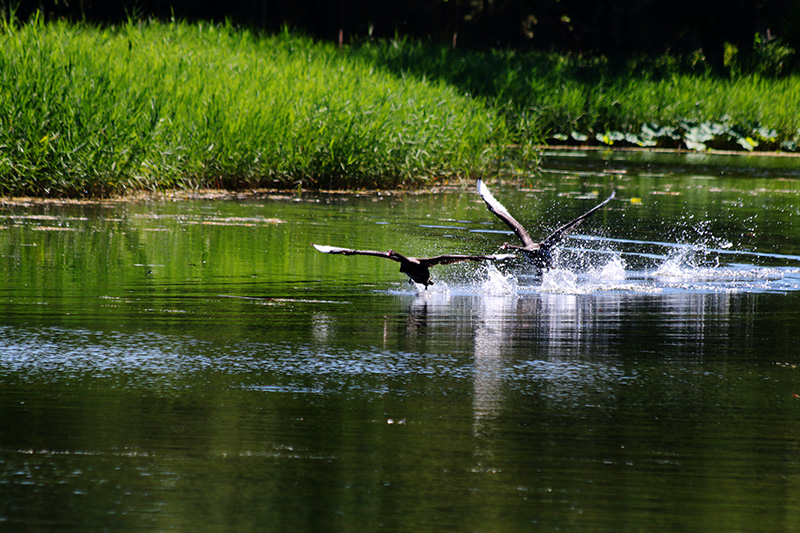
{"type": "Point", "coordinates": [88, 111]}
{"type": "Point", "coordinates": [576, 97]}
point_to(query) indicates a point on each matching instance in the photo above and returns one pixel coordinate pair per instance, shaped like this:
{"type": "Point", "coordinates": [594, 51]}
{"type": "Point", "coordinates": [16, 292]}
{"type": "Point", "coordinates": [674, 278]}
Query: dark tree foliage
{"type": "Point", "coordinates": [615, 28]}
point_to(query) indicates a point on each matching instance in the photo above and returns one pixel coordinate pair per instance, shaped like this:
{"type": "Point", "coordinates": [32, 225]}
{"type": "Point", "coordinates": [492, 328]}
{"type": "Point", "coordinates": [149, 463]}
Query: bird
{"type": "Point", "coordinates": [537, 253]}
{"type": "Point", "coordinates": [416, 268]}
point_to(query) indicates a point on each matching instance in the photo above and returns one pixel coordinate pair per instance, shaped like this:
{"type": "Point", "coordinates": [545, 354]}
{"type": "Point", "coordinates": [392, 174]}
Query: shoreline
{"type": "Point", "coordinates": [672, 151]}
{"type": "Point", "coordinates": [177, 195]}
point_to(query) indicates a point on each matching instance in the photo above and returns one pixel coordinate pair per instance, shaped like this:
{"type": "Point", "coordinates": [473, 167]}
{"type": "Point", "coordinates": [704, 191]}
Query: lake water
{"type": "Point", "coordinates": [196, 365]}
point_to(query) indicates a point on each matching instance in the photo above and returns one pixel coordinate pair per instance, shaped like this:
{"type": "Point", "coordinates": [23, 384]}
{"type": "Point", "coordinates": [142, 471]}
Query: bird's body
{"type": "Point", "coordinates": [538, 253]}
{"type": "Point", "coordinates": [416, 268]}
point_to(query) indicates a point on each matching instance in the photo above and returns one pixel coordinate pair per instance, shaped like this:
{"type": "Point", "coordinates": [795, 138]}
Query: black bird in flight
{"type": "Point", "coordinates": [538, 253]}
{"type": "Point", "coordinates": [416, 268]}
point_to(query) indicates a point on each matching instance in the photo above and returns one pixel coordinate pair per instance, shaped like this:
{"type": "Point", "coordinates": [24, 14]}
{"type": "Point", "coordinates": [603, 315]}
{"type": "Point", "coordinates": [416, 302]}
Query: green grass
{"type": "Point", "coordinates": [91, 112]}
{"type": "Point", "coordinates": [648, 101]}
{"type": "Point", "coordinates": [88, 111]}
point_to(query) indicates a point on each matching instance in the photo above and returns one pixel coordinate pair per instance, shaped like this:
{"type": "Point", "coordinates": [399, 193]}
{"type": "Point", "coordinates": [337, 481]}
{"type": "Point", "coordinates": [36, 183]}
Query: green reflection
{"type": "Point", "coordinates": [196, 365]}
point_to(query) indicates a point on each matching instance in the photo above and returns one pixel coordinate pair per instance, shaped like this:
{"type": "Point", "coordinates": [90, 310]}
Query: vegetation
{"type": "Point", "coordinates": [92, 111]}
{"type": "Point", "coordinates": [88, 111]}
{"type": "Point", "coordinates": [618, 29]}
{"type": "Point", "coordinates": [665, 101]}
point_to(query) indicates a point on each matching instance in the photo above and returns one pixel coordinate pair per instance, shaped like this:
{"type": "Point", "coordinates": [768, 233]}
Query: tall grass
{"type": "Point", "coordinates": [89, 111]}
{"type": "Point", "coordinates": [587, 97]}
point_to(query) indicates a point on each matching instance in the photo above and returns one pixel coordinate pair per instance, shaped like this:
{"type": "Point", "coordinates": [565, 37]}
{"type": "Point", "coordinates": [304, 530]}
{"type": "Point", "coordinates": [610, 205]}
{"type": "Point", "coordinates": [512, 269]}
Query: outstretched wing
{"type": "Point", "coordinates": [502, 213]}
{"type": "Point", "coordinates": [394, 256]}
{"type": "Point", "coordinates": [559, 234]}
{"type": "Point", "coordinates": [448, 259]}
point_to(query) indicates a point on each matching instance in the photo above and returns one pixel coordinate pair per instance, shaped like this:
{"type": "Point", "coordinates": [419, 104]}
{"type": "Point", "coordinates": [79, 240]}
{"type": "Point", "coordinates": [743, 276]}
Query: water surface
{"type": "Point", "coordinates": [197, 365]}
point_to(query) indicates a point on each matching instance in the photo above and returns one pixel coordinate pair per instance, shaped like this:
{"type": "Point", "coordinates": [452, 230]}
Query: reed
{"type": "Point", "coordinates": [90, 111]}
{"type": "Point", "coordinates": [592, 99]}
{"type": "Point", "coordinates": [86, 111]}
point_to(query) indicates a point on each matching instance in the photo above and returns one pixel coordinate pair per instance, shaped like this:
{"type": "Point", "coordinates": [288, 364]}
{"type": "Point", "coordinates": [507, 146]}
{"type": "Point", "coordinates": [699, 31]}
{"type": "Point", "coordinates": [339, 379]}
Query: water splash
{"type": "Point", "coordinates": [558, 280]}
{"type": "Point", "coordinates": [613, 270]}
{"type": "Point", "coordinates": [496, 283]}
{"type": "Point", "coordinates": [682, 264]}
{"type": "Point", "coordinates": [697, 268]}
{"type": "Point", "coordinates": [694, 268]}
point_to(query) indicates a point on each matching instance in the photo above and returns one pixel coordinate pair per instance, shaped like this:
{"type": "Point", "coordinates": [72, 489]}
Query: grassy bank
{"type": "Point", "coordinates": [664, 101]}
{"type": "Point", "coordinates": [88, 112]}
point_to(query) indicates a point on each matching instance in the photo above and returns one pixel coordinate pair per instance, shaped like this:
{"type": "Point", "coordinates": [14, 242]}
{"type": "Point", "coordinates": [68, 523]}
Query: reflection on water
{"type": "Point", "coordinates": [197, 365]}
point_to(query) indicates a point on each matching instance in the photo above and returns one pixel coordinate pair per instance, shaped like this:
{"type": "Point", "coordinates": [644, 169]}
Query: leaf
{"type": "Point", "coordinates": [767, 134]}
{"type": "Point", "coordinates": [640, 140]}
{"type": "Point", "coordinates": [604, 138]}
{"type": "Point", "coordinates": [748, 143]}
{"type": "Point", "coordinates": [696, 146]}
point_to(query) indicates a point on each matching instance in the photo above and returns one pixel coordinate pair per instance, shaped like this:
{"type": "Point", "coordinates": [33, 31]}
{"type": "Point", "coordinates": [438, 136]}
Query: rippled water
{"type": "Point", "coordinates": [197, 365]}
